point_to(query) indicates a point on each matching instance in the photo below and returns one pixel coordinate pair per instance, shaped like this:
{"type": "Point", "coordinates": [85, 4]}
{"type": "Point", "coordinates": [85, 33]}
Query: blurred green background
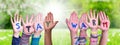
{"type": "Point", "coordinates": [61, 10]}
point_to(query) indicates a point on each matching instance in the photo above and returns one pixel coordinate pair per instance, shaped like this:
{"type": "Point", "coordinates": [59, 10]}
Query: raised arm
{"type": "Point", "coordinates": [104, 26]}
{"type": "Point", "coordinates": [72, 24]}
{"type": "Point", "coordinates": [49, 24]}
{"type": "Point", "coordinates": [38, 27]}
{"type": "Point", "coordinates": [17, 28]}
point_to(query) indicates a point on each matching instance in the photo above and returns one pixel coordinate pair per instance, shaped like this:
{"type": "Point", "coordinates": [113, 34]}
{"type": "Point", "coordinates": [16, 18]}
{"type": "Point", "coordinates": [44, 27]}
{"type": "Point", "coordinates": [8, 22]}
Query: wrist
{"type": "Point", "coordinates": [73, 33]}
{"type": "Point", "coordinates": [48, 30]}
{"type": "Point", "coordinates": [36, 35]}
{"type": "Point", "coordinates": [73, 38]}
{"type": "Point", "coordinates": [16, 35]}
{"type": "Point", "coordinates": [104, 32]}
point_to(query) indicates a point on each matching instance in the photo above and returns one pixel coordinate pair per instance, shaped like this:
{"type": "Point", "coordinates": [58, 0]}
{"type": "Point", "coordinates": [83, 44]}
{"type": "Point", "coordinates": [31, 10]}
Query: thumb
{"type": "Point", "coordinates": [55, 23]}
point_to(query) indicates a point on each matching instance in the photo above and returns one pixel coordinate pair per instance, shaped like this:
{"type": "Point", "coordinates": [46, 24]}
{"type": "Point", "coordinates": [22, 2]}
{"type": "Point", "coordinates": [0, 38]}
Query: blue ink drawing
{"type": "Point", "coordinates": [39, 26]}
{"type": "Point", "coordinates": [18, 25]}
{"type": "Point", "coordinates": [93, 21]}
{"type": "Point", "coordinates": [83, 25]}
{"type": "Point", "coordinates": [73, 25]}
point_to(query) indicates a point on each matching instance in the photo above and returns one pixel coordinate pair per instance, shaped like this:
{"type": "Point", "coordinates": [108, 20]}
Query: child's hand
{"type": "Point", "coordinates": [72, 22]}
{"type": "Point", "coordinates": [28, 26]}
{"type": "Point", "coordinates": [49, 22]}
{"type": "Point", "coordinates": [105, 23]}
{"type": "Point", "coordinates": [38, 25]}
{"type": "Point", "coordinates": [16, 23]}
{"type": "Point", "coordinates": [82, 24]}
{"type": "Point", "coordinates": [93, 21]}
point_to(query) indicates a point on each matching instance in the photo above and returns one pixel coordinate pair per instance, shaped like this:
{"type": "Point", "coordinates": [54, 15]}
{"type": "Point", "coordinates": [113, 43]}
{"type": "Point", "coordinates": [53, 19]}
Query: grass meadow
{"type": "Point", "coordinates": [60, 37]}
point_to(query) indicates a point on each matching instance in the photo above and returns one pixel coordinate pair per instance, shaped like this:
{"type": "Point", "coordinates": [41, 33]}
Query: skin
{"type": "Point", "coordinates": [28, 23]}
{"type": "Point", "coordinates": [94, 28]}
{"type": "Point", "coordinates": [103, 18]}
{"type": "Point", "coordinates": [73, 31]}
{"type": "Point", "coordinates": [48, 28]}
{"type": "Point", "coordinates": [17, 19]}
{"type": "Point", "coordinates": [38, 20]}
{"type": "Point", "coordinates": [83, 19]}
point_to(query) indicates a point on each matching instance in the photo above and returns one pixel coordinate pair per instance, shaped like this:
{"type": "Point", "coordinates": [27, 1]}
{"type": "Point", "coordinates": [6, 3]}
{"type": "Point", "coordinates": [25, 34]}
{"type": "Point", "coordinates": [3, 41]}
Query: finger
{"type": "Point", "coordinates": [31, 18]}
{"type": "Point", "coordinates": [91, 14]}
{"type": "Point", "coordinates": [11, 20]}
{"type": "Point", "coordinates": [45, 18]}
{"type": "Point", "coordinates": [20, 18]}
{"type": "Point", "coordinates": [105, 17]}
{"type": "Point", "coordinates": [27, 19]}
{"type": "Point", "coordinates": [76, 17]}
{"type": "Point", "coordinates": [40, 17]}
{"type": "Point", "coordinates": [67, 21]}
{"type": "Point", "coordinates": [71, 17]}
{"type": "Point", "coordinates": [97, 17]}
{"type": "Point", "coordinates": [23, 21]}
{"type": "Point", "coordinates": [52, 18]}
{"type": "Point", "coordinates": [37, 18]}
{"type": "Point", "coordinates": [49, 16]}
{"type": "Point", "coordinates": [87, 23]}
{"type": "Point", "coordinates": [21, 28]}
{"type": "Point", "coordinates": [80, 19]}
{"type": "Point", "coordinates": [94, 14]}
{"type": "Point", "coordinates": [88, 16]}
{"type": "Point", "coordinates": [15, 18]}
{"type": "Point", "coordinates": [55, 23]}
{"type": "Point", "coordinates": [102, 17]}
{"type": "Point", "coordinates": [85, 19]}
{"type": "Point", "coordinates": [44, 24]}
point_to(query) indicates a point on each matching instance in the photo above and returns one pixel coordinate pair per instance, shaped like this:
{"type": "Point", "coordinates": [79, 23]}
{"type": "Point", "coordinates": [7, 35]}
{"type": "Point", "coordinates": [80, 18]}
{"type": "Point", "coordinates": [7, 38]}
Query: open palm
{"type": "Point", "coordinates": [72, 22]}
{"type": "Point", "coordinates": [105, 23]}
{"type": "Point", "coordinates": [93, 20]}
{"type": "Point", "coordinates": [38, 24]}
{"type": "Point", "coordinates": [16, 23]}
{"type": "Point", "coordinates": [28, 26]}
{"type": "Point", "coordinates": [49, 22]}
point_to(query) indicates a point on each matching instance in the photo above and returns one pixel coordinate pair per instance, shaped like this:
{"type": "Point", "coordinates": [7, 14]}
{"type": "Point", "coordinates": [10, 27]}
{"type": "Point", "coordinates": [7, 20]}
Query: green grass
{"type": "Point", "coordinates": [60, 37]}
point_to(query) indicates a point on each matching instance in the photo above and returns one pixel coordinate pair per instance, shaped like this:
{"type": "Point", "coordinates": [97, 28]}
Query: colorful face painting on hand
{"type": "Point", "coordinates": [73, 25]}
{"type": "Point", "coordinates": [28, 27]}
{"type": "Point", "coordinates": [83, 26]}
{"type": "Point", "coordinates": [105, 24]}
{"type": "Point", "coordinates": [17, 25]}
{"type": "Point", "coordinates": [93, 21]}
{"type": "Point", "coordinates": [39, 27]}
